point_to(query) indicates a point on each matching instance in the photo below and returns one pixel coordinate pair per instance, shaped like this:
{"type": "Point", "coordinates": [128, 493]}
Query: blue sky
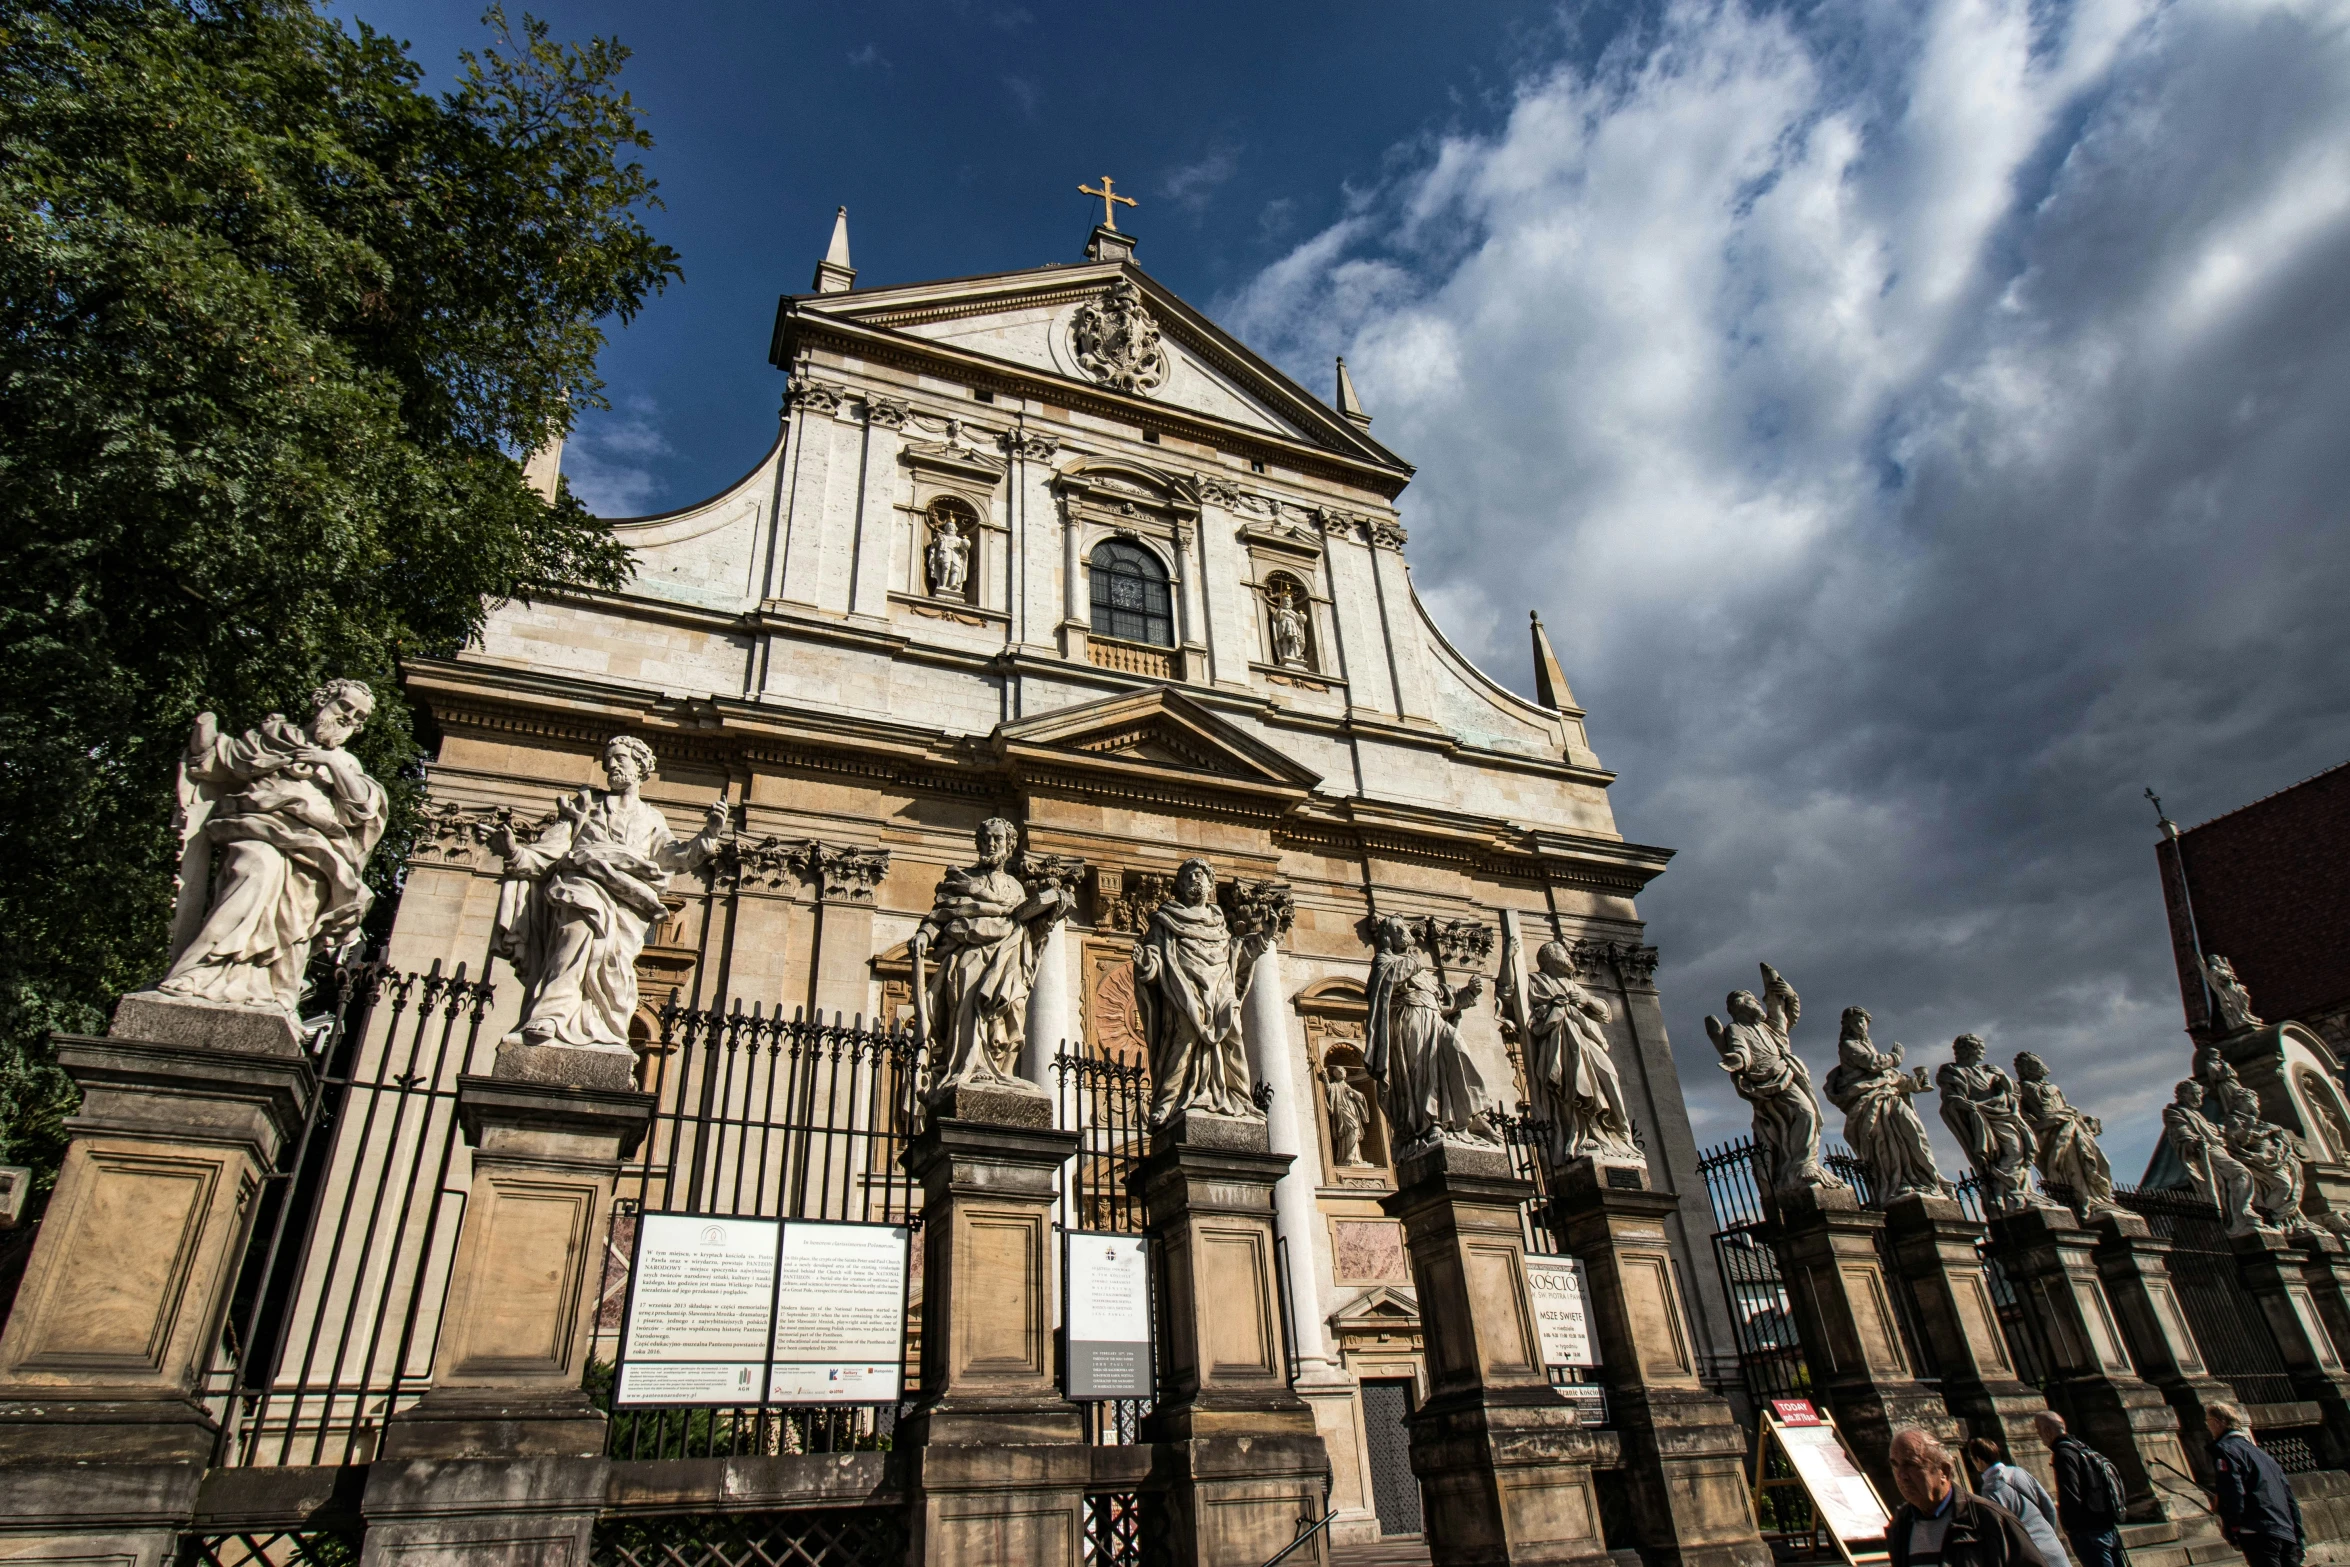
{"type": "Point", "coordinates": [1922, 426]}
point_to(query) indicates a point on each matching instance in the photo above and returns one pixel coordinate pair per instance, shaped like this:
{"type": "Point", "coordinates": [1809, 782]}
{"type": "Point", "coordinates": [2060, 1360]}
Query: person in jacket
{"type": "Point", "coordinates": [1941, 1523]}
{"type": "Point", "coordinates": [2257, 1509]}
{"type": "Point", "coordinates": [2021, 1493]}
{"type": "Point", "coordinates": [2084, 1500]}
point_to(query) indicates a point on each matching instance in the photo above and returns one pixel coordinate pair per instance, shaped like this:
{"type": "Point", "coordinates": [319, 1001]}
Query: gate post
{"type": "Point", "coordinates": [2135, 1268]}
{"type": "Point", "coordinates": [1843, 1312]}
{"type": "Point", "coordinates": [996, 1465]}
{"type": "Point", "coordinates": [2050, 1259]}
{"type": "Point", "coordinates": [1936, 1247]}
{"type": "Point", "coordinates": [1245, 1460]}
{"type": "Point", "coordinates": [2277, 1272]}
{"type": "Point", "coordinates": [1684, 1452]}
{"type": "Point", "coordinates": [1504, 1462]}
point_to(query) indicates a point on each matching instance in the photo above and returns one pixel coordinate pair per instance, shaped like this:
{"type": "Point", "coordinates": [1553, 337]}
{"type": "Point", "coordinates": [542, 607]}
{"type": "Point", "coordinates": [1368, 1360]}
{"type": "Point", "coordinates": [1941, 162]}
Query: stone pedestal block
{"type": "Point", "coordinates": [1843, 1310]}
{"type": "Point", "coordinates": [2052, 1263]}
{"type": "Point", "coordinates": [518, 1512]}
{"type": "Point", "coordinates": [1504, 1462]}
{"type": "Point", "coordinates": [2135, 1269]}
{"type": "Point", "coordinates": [1239, 1447]}
{"type": "Point", "coordinates": [2289, 1277]}
{"type": "Point", "coordinates": [1684, 1451]}
{"type": "Point", "coordinates": [1936, 1249]}
{"type": "Point", "coordinates": [995, 1462]}
{"type": "Point", "coordinates": [124, 1295]}
{"type": "Point", "coordinates": [100, 1514]}
{"type": "Point", "coordinates": [514, 1332]}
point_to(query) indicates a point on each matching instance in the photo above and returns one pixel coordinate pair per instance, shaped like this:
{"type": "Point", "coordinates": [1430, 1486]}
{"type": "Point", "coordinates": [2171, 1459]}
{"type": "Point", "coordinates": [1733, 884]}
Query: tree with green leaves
{"type": "Point", "coordinates": [278, 327]}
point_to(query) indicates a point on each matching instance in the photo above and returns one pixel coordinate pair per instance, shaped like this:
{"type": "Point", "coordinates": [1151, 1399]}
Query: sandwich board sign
{"type": "Point", "coordinates": [1845, 1506]}
{"type": "Point", "coordinates": [1108, 1312]}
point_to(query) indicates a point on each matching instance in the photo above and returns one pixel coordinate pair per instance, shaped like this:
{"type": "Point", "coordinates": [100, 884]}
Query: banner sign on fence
{"type": "Point", "coordinates": [1562, 1310]}
{"type": "Point", "coordinates": [1109, 1315]}
{"type": "Point", "coordinates": [729, 1310]}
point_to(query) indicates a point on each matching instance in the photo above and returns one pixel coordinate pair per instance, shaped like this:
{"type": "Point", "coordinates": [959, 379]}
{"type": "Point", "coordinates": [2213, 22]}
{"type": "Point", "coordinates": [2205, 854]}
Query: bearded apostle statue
{"type": "Point", "coordinates": [2066, 1139]}
{"type": "Point", "coordinates": [1981, 1107]}
{"type": "Point", "coordinates": [1190, 975]}
{"type": "Point", "coordinates": [2214, 1172]}
{"type": "Point", "coordinates": [975, 955]}
{"type": "Point", "coordinates": [577, 901]}
{"type": "Point", "coordinates": [1874, 1093]}
{"type": "Point", "coordinates": [1756, 1051]}
{"type": "Point", "coordinates": [1430, 1089]}
{"type": "Point", "coordinates": [294, 817]}
{"type": "Point", "coordinates": [1564, 1037]}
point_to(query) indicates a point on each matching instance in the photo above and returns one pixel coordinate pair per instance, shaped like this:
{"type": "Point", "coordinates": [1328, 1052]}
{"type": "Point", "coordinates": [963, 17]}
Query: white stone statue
{"type": "Point", "coordinates": [1428, 1086]}
{"type": "Point", "coordinates": [2272, 1156]}
{"type": "Point", "coordinates": [1190, 975]}
{"type": "Point", "coordinates": [985, 931]}
{"type": "Point", "coordinates": [1880, 1123]}
{"type": "Point", "coordinates": [2228, 992]}
{"type": "Point", "coordinates": [1349, 1118]}
{"type": "Point", "coordinates": [2203, 1148]}
{"type": "Point", "coordinates": [2069, 1157]}
{"type": "Point", "coordinates": [1983, 1111]}
{"type": "Point", "coordinates": [948, 558]}
{"type": "Point", "coordinates": [576, 903]}
{"type": "Point", "coordinates": [1288, 623]}
{"type": "Point", "coordinates": [294, 817]}
{"type": "Point", "coordinates": [1568, 1063]}
{"type": "Point", "coordinates": [1763, 1066]}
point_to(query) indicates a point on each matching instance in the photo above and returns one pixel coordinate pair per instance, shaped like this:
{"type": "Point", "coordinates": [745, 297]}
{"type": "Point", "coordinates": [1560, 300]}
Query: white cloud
{"type": "Point", "coordinates": [1193, 185]}
{"type": "Point", "coordinates": [609, 460]}
{"type": "Point", "coordinates": [1927, 426]}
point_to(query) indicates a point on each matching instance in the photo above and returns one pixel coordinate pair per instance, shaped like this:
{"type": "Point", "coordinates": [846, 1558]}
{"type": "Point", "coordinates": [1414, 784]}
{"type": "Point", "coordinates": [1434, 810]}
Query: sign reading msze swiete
{"type": "Point", "coordinates": [1562, 1310]}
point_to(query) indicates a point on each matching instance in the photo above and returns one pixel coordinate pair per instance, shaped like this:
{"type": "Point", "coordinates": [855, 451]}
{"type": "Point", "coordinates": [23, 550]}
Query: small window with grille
{"type": "Point", "coordinates": [1130, 598]}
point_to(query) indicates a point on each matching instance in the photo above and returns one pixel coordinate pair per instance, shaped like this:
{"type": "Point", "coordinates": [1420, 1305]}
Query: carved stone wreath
{"type": "Point", "coordinates": [1117, 342]}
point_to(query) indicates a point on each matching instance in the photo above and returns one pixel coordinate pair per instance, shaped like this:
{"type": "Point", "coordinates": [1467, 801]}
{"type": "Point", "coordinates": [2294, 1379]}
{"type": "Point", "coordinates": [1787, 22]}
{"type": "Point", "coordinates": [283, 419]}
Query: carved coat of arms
{"type": "Point", "coordinates": [1117, 342]}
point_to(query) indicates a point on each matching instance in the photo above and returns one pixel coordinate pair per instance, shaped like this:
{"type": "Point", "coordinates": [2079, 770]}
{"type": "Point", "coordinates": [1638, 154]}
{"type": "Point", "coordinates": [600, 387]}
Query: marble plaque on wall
{"type": "Point", "coordinates": [1369, 1251]}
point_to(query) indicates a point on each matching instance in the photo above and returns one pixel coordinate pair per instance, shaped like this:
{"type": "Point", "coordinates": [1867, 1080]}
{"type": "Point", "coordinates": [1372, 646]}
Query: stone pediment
{"type": "Point", "coordinates": [1161, 736]}
{"type": "Point", "coordinates": [1383, 1309]}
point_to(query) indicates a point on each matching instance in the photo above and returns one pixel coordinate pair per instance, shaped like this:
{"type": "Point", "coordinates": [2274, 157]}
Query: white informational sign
{"type": "Point", "coordinates": [700, 1296]}
{"type": "Point", "coordinates": [840, 1314]}
{"type": "Point", "coordinates": [1109, 1315]}
{"type": "Point", "coordinates": [1847, 1503]}
{"type": "Point", "coordinates": [1562, 1310]}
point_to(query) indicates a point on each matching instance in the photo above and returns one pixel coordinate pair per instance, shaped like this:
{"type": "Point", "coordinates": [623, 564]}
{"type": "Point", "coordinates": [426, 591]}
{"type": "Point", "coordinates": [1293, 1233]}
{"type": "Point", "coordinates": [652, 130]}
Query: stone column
{"type": "Point", "coordinates": [996, 1465]}
{"type": "Point", "coordinates": [1239, 1447]}
{"type": "Point", "coordinates": [1684, 1451]}
{"type": "Point", "coordinates": [1504, 1462]}
{"type": "Point", "coordinates": [2051, 1262]}
{"type": "Point", "coordinates": [2276, 1271]}
{"type": "Point", "coordinates": [507, 1449]}
{"type": "Point", "coordinates": [1936, 1250]}
{"type": "Point", "coordinates": [1836, 1288]}
{"type": "Point", "coordinates": [103, 1428]}
{"type": "Point", "coordinates": [1049, 1020]}
{"type": "Point", "coordinates": [2135, 1270]}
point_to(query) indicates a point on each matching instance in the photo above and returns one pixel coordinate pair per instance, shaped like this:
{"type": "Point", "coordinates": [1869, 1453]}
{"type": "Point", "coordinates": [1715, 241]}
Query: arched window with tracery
{"type": "Point", "coordinates": [1130, 597]}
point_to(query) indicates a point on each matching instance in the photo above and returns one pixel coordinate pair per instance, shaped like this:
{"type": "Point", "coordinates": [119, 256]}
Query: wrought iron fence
{"type": "Point", "coordinates": [2230, 1329]}
{"type": "Point", "coordinates": [268, 1548]}
{"type": "Point", "coordinates": [819, 1537]}
{"type": "Point", "coordinates": [1770, 1354]}
{"type": "Point", "coordinates": [337, 1305]}
{"type": "Point", "coordinates": [762, 1116]}
{"type": "Point", "coordinates": [1107, 1103]}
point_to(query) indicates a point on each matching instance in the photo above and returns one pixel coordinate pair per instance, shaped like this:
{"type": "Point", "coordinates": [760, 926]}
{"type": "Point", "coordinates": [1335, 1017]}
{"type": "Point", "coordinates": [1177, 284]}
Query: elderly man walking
{"type": "Point", "coordinates": [1941, 1523]}
{"type": "Point", "coordinates": [2257, 1509]}
{"type": "Point", "coordinates": [2089, 1495]}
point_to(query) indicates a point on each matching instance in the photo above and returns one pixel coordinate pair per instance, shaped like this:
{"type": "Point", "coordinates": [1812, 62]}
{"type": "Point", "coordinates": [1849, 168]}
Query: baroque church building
{"type": "Point", "coordinates": [1050, 545]}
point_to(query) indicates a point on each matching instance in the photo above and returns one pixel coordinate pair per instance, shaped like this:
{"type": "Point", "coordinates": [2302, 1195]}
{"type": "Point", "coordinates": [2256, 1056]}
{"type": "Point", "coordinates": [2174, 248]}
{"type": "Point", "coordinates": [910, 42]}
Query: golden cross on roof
{"type": "Point", "coordinates": [1111, 201]}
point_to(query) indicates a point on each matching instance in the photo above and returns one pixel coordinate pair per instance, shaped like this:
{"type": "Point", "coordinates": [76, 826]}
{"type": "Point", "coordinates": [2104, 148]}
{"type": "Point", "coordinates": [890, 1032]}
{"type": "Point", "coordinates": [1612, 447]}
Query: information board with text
{"type": "Point", "coordinates": [1109, 1315]}
{"type": "Point", "coordinates": [1562, 1310]}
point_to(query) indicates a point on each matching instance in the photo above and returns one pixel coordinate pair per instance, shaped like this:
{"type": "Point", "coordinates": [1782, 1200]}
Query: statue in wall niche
{"type": "Point", "coordinates": [1568, 1062]}
{"type": "Point", "coordinates": [1288, 623]}
{"type": "Point", "coordinates": [1757, 1053]}
{"type": "Point", "coordinates": [2069, 1157]}
{"type": "Point", "coordinates": [1874, 1092]}
{"type": "Point", "coordinates": [577, 901]}
{"type": "Point", "coordinates": [2203, 1148]}
{"type": "Point", "coordinates": [294, 817]}
{"type": "Point", "coordinates": [985, 931]}
{"type": "Point", "coordinates": [948, 560]}
{"type": "Point", "coordinates": [1429, 1087]}
{"type": "Point", "coordinates": [1350, 1117]}
{"type": "Point", "coordinates": [2228, 994]}
{"type": "Point", "coordinates": [1984, 1112]}
{"type": "Point", "coordinates": [1190, 975]}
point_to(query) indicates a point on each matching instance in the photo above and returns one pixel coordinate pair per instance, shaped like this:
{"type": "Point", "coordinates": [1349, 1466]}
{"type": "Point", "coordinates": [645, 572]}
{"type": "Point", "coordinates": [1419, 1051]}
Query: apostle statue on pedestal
{"type": "Point", "coordinates": [577, 902]}
{"type": "Point", "coordinates": [1880, 1123]}
{"type": "Point", "coordinates": [2271, 1155]}
{"type": "Point", "coordinates": [2203, 1148]}
{"type": "Point", "coordinates": [1190, 974]}
{"type": "Point", "coordinates": [1568, 1064]}
{"type": "Point", "coordinates": [1983, 1111]}
{"type": "Point", "coordinates": [985, 931]}
{"type": "Point", "coordinates": [1763, 1067]}
{"type": "Point", "coordinates": [294, 817]}
{"type": "Point", "coordinates": [2066, 1138]}
{"type": "Point", "coordinates": [1428, 1086]}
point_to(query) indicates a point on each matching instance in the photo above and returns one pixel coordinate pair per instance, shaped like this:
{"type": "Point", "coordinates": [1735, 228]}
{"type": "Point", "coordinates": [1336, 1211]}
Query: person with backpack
{"type": "Point", "coordinates": [2089, 1495]}
{"type": "Point", "coordinates": [1997, 1480]}
{"type": "Point", "coordinates": [2257, 1509]}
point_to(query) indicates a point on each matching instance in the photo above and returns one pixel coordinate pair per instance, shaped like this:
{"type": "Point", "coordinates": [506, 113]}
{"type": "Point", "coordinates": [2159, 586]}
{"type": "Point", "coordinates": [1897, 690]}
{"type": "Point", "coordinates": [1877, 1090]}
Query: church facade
{"type": "Point", "coordinates": [1051, 546]}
